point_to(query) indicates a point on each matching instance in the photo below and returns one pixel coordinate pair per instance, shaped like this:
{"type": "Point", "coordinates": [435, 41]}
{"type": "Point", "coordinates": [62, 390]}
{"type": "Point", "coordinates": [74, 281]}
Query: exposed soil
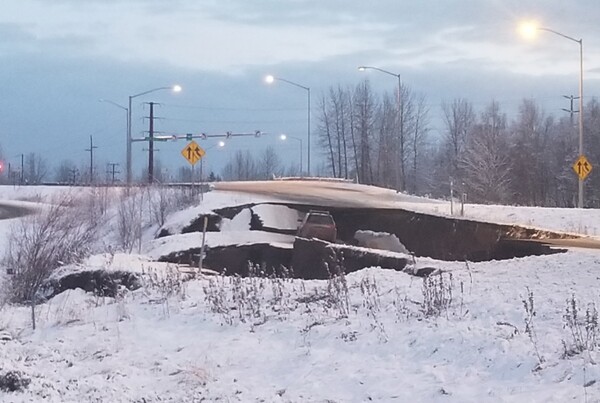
{"type": "Point", "coordinates": [431, 236]}
{"type": "Point", "coordinates": [423, 235]}
{"type": "Point", "coordinates": [308, 259]}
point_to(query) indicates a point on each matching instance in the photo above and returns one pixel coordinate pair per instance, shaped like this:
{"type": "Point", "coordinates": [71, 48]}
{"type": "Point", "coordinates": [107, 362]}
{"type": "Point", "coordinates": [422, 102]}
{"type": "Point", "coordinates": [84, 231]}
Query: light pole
{"type": "Point", "coordinates": [220, 144]}
{"type": "Point", "coordinates": [174, 88]}
{"type": "Point", "coordinates": [285, 137]}
{"type": "Point", "coordinates": [270, 79]}
{"type": "Point", "coordinates": [529, 30]}
{"type": "Point", "coordinates": [399, 101]}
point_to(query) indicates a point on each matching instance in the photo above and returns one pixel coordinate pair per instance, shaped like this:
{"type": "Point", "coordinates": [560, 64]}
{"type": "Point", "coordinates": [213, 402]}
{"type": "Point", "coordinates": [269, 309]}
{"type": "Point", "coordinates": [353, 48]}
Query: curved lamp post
{"type": "Point", "coordinates": [285, 137]}
{"type": "Point", "coordinates": [529, 30]}
{"type": "Point", "coordinates": [271, 79]}
{"type": "Point", "coordinates": [174, 88]}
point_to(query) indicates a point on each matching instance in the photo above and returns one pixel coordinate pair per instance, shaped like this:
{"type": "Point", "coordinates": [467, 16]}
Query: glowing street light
{"type": "Point", "coordinates": [220, 144]}
{"type": "Point", "coordinates": [529, 30]}
{"type": "Point", "coordinates": [270, 80]}
{"type": "Point", "coordinates": [284, 137]}
{"type": "Point", "coordinates": [174, 88]}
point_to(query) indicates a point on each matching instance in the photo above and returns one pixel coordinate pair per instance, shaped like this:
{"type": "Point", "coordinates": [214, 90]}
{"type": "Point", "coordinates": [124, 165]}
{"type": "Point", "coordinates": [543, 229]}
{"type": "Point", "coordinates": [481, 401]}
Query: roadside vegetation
{"type": "Point", "coordinates": [445, 317]}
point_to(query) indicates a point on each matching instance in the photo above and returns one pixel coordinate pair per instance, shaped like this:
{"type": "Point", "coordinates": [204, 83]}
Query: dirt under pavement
{"type": "Point", "coordinates": [423, 235]}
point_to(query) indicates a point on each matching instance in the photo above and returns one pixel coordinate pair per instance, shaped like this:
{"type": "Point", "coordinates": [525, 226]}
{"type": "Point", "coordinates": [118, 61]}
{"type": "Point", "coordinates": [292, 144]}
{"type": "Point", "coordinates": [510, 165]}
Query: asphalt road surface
{"type": "Point", "coordinates": [323, 193]}
{"type": "Point", "coordinates": [341, 194]}
{"type": "Point", "coordinates": [10, 211]}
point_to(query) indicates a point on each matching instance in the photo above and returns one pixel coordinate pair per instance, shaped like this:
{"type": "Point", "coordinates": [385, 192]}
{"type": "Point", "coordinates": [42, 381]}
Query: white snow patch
{"type": "Point", "coordinates": [165, 245]}
{"type": "Point", "coordinates": [279, 217]}
{"type": "Point", "coordinates": [240, 222]}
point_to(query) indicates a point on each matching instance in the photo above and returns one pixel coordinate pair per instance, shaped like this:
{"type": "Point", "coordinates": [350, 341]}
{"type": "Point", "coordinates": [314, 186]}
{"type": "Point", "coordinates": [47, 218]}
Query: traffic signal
{"type": "Point", "coordinates": [1, 166]}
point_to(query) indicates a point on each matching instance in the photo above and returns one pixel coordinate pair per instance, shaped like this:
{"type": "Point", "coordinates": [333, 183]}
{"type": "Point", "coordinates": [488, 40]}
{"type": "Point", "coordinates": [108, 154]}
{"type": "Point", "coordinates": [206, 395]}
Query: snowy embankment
{"type": "Point", "coordinates": [368, 339]}
{"type": "Point", "coordinates": [482, 332]}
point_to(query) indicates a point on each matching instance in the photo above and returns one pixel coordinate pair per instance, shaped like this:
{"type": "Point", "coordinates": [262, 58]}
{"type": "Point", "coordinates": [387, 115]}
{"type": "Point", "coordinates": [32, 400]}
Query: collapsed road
{"type": "Point", "coordinates": [423, 235]}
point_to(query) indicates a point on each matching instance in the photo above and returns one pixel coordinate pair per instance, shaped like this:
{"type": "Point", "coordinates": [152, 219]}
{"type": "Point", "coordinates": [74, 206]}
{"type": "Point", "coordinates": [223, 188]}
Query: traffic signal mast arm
{"type": "Point", "coordinates": [202, 136]}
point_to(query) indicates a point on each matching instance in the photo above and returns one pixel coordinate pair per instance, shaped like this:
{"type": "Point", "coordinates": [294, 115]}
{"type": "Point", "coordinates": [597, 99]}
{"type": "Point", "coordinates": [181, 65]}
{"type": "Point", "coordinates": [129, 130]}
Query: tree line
{"type": "Point", "coordinates": [386, 140]}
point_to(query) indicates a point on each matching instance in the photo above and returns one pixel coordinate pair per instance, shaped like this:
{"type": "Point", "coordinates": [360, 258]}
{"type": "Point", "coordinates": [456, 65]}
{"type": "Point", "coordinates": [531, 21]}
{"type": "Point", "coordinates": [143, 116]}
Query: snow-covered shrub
{"type": "Point", "coordinates": [281, 300]}
{"type": "Point", "coordinates": [371, 301]}
{"type": "Point", "coordinates": [216, 296]}
{"type": "Point", "coordinates": [38, 244]}
{"type": "Point", "coordinates": [237, 299]}
{"type": "Point", "coordinates": [584, 330]}
{"type": "Point", "coordinates": [129, 223]}
{"type": "Point", "coordinates": [530, 313]}
{"type": "Point", "coordinates": [162, 201]}
{"type": "Point", "coordinates": [98, 201]}
{"type": "Point", "coordinates": [252, 299]}
{"type": "Point", "coordinates": [337, 293]}
{"type": "Point", "coordinates": [160, 286]}
{"type": "Point", "coordinates": [437, 294]}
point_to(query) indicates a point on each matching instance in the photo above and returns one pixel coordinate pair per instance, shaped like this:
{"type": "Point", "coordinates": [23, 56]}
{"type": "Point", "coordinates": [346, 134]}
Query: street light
{"type": "Point", "coordinates": [270, 80]}
{"type": "Point", "coordinates": [285, 137]}
{"type": "Point", "coordinates": [399, 100]}
{"type": "Point", "coordinates": [529, 30]}
{"type": "Point", "coordinates": [174, 88]}
{"type": "Point", "coordinates": [220, 144]}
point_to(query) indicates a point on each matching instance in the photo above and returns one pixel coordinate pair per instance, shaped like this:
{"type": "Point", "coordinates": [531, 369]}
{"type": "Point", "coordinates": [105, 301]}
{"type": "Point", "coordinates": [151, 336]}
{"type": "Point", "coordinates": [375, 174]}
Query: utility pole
{"type": "Point", "coordinates": [91, 150]}
{"type": "Point", "coordinates": [22, 169]}
{"type": "Point", "coordinates": [112, 170]}
{"type": "Point", "coordinates": [151, 145]}
{"type": "Point", "coordinates": [571, 111]}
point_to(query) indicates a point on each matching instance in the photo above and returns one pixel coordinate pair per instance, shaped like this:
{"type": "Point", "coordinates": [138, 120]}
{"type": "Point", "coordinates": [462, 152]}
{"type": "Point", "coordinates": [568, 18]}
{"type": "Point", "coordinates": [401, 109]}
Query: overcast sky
{"type": "Point", "coordinates": [60, 57]}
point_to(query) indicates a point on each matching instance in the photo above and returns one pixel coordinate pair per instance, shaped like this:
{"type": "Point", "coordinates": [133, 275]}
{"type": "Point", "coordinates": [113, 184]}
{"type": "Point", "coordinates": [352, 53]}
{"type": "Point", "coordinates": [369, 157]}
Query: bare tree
{"type": "Point", "coordinates": [38, 244]}
{"type": "Point", "coordinates": [335, 129]}
{"type": "Point", "coordinates": [241, 167]}
{"type": "Point", "coordinates": [387, 169]}
{"type": "Point", "coordinates": [270, 164]}
{"type": "Point", "coordinates": [405, 124]}
{"type": "Point", "coordinates": [36, 168]}
{"type": "Point", "coordinates": [592, 151]}
{"type": "Point", "coordinates": [459, 118]}
{"type": "Point", "coordinates": [325, 135]}
{"type": "Point", "coordinates": [485, 160]}
{"type": "Point", "coordinates": [340, 103]}
{"type": "Point", "coordinates": [66, 172]}
{"type": "Point", "coordinates": [418, 138]}
{"type": "Point", "coordinates": [364, 111]}
{"type": "Point", "coordinates": [184, 174]}
{"type": "Point", "coordinates": [162, 201]}
{"type": "Point", "coordinates": [530, 146]}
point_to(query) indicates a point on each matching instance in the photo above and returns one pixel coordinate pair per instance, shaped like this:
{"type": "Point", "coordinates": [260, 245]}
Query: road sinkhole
{"type": "Point", "coordinates": [422, 235]}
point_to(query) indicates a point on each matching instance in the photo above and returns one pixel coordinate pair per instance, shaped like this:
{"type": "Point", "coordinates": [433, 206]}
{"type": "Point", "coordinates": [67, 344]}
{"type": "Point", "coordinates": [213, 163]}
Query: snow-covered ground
{"type": "Point", "coordinates": [375, 335]}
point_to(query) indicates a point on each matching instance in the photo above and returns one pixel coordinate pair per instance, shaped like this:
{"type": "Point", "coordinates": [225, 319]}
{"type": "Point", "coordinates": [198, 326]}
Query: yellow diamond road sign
{"type": "Point", "coordinates": [193, 152]}
{"type": "Point", "coordinates": [582, 167]}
